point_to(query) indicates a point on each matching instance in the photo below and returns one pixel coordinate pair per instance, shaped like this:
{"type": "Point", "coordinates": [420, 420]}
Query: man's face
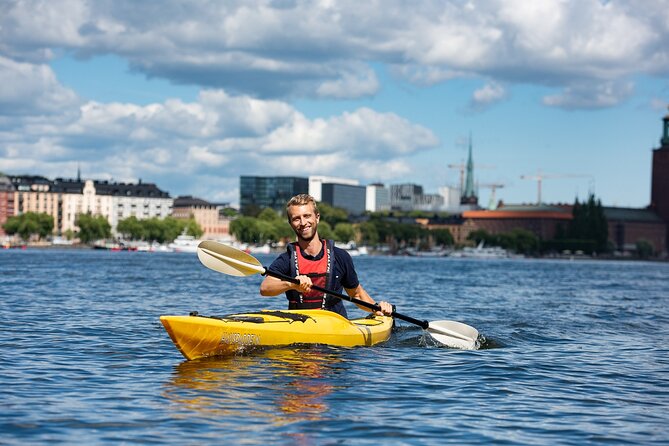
{"type": "Point", "coordinates": [304, 221]}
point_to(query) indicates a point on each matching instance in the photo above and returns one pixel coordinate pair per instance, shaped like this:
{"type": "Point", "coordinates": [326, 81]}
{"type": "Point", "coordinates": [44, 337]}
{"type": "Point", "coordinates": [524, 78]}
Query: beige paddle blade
{"type": "Point", "coordinates": [228, 260]}
{"type": "Point", "coordinates": [454, 334]}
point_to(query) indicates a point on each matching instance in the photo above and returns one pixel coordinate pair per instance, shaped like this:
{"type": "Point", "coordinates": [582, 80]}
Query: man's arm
{"type": "Point", "coordinates": [271, 286]}
{"type": "Point", "coordinates": [360, 293]}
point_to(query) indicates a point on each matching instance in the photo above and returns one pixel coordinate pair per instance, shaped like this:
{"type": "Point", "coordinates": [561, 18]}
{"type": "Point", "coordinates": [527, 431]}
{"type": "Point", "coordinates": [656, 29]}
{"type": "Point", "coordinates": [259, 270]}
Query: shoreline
{"type": "Point", "coordinates": [372, 253]}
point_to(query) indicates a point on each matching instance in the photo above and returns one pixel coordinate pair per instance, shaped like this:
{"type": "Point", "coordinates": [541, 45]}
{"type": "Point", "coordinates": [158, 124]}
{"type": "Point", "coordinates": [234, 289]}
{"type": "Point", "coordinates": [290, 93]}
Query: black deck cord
{"type": "Point", "coordinates": [258, 319]}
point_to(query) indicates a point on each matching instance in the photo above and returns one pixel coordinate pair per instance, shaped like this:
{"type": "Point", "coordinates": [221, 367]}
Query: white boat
{"type": "Point", "coordinates": [184, 243]}
{"type": "Point", "coordinates": [259, 249]}
{"type": "Point", "coordinates": [153, 247]}
{"type": "Point", "coordinates": [353, 249]}
{"type": "Point", "coordinates": [481, 252]}
{"type": "Point", "coordinates": [430, 253]}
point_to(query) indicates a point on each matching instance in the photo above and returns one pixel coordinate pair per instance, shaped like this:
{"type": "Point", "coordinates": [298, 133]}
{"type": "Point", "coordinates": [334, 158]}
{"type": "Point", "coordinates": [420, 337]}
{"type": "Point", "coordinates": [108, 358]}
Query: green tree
{"type": "Point", "coordinates": [332, 215]}
{"type": "Point", "coordinates": [154, 230]}
{"type": "Point", "coordinates": [442, 237]}
{"type": "Point", "coordinates": [131, 228]}
{"type": "Point", "coordinates": [368, 233]}
{"type": "Point", "coordinates": [269, 214]}
{"type": "Point", "coordinates": [644, 249]}
{"type": "Point", "coordinates": [92, 227]}
{"type": "Point", "coordinates": [523, 241]}
{"type": "Point", "coordinates": [266, 232]}
{"type": "Point", "coordinates": [283, 230]}
{"type": "Point", "coordinates": [229, 212]}
{"type": "Point", "coordinates": [344, 232]}
{"type": "Point", "coordinates": [589, 225]}
{"type": "Point", "coordinates": [244, 229]}
{"type": "Point", "coordinates": [325, 230]}
{"type": "Point", "coordinates": [193, 228]}
{"type": "Point", "coordinates": [171, 229]}
{"type": "Point", "coordinates": [481, 235]}
{"type": "Point", "coordinates": [28, 224]}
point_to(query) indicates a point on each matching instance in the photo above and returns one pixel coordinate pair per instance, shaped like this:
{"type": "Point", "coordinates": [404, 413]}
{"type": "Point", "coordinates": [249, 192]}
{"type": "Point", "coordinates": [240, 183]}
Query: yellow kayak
{"type": "Point", "coordinates": [198, 336]}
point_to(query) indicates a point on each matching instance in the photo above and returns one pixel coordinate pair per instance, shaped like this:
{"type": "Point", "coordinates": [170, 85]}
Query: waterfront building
{"type": "Point", "coordinates": [6, 201]}
{"type": "Point", "coordinates": [348, 197]}
{"type": "Point", "coordinates": [459, 227]}
{"type": "Point", "coordinates": [659, 200]}
{"type": "Point", "coordinates": [542, 220]}
{"type": "Point", "coordinates": [316, 184]}
{"type": "Point", "coordinates": [377, 198]}
{"type": "Point", "coordinates": [65, 199]}
{"type": "Point", "coordinates": [76, 197]}
{"type": "Point", "coordinates": [627, 226]}
{"type": "Point", "coordinates": [410, 197]}
{"type": "Point", "coordinates": [257, 193]}
{"type": "Point", "coordinates": [429, 202]}
{"type": "Point", "coordinates": [140, 200]}
{"type": "Point", "coordinates": [451, 198]}
{"type": "Point", "coordinates": [403, 197]}
{"type": "Point", "coordinates": [33, 193]}
{"type": "Point", "coordinates": [205, 214]}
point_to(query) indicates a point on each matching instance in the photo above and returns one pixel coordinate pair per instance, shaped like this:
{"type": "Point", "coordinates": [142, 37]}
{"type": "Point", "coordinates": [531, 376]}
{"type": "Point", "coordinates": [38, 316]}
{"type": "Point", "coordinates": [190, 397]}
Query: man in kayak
{"type": "Point", "coordinates": [314, 261]}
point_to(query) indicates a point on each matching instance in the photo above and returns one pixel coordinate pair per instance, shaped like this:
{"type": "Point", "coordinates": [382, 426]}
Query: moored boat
{"type": "Point", "coordinates": [184, 243]}
{"type": "Point", "coordinates": [481, 252]}
{"type": "Point", "coordinates": [199, 336]}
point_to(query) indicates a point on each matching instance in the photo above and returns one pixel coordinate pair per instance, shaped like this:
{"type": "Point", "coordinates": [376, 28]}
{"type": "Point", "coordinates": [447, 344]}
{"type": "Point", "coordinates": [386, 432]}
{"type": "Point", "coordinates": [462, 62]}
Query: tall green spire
{"type": "Point", "coordinates": [469, 194]}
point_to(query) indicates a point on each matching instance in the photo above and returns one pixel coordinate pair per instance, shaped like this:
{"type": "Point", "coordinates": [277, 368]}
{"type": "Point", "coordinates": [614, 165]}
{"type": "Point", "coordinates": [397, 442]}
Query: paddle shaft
{"type": "Point", "coordinates": [423, 324]}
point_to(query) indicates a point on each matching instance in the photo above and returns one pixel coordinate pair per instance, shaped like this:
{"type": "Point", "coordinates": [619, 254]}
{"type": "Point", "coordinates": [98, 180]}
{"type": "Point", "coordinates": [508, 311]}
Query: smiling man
{"type": "Point", "coordinates": [314, 261]}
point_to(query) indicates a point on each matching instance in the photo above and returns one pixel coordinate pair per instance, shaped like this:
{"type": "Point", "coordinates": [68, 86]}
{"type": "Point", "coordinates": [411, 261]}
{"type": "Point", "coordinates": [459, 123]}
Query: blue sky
{"type": "Point", "coordinates": [191, 95]}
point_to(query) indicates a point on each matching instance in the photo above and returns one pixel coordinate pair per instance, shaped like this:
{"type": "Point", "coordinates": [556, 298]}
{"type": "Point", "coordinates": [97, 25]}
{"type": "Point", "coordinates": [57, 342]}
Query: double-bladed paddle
{"type": "Point", "coordinates": [232, 261]}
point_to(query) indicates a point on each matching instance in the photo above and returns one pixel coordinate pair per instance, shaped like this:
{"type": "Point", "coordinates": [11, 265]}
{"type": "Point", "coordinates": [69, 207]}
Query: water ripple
{"type": "Point", "coordinates": [572, 353]}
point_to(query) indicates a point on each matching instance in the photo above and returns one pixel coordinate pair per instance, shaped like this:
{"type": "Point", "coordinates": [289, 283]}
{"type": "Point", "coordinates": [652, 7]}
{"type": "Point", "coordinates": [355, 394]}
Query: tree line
{"type": "Point", "coordinates": [96, 227]}
{"type": "Point", "coordinates": [587, 231]}
{"type": "Point", "coordinates": [269, 226]}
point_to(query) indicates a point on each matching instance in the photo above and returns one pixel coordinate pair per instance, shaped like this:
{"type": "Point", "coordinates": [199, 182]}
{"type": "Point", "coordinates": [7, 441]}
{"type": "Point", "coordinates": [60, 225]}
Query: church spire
{"type": "Point", "coordinates": [469, 194]}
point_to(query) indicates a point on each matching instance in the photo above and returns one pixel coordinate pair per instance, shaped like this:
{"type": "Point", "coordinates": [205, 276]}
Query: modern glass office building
{"type": "Point", "coordinates": [256, 193]}
{"type": "Point", "coordinates": [345, 196]}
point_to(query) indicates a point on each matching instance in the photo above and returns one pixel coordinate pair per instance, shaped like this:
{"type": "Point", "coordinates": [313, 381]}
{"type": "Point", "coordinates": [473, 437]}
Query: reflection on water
{"type": "Point", "coordinates": [277, 385]}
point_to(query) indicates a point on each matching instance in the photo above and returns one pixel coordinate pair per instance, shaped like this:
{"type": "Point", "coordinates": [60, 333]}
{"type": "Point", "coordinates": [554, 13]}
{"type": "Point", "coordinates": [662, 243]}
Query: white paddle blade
{"type": "Point", "coordinates": [454, 334]}
{"type": "Point", "coordinates": [228, 260]}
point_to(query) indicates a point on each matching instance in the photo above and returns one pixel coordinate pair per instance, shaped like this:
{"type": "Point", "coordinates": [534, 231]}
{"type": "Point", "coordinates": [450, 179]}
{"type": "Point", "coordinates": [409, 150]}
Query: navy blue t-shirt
{"type": "Point", "coordinates": [343, 270]}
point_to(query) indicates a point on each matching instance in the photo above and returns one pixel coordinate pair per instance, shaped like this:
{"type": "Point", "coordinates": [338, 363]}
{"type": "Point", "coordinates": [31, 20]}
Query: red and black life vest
{"type": "Point", "coordinates": [320, 272]}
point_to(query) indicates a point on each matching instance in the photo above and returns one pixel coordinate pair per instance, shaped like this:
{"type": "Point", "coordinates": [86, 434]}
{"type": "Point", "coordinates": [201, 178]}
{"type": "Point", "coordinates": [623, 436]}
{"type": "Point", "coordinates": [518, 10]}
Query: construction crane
{"type": "Point", "coordinates": [539, 177]}
{"type": "Point", "coordinates": [492, 205]}
{"type": "Point", "coordinates": [463, 167]}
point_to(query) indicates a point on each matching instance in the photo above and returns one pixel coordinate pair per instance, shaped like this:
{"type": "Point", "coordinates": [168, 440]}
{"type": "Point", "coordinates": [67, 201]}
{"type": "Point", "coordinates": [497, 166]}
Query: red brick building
{"type": "Point", "coordinates": [659, 195]}
{"type": "Point", "coordinates": [6, 201]}
{"type": "Point", "coordinates": [629, 226]}
{"type": "Point", "coordinates": [541, 220]}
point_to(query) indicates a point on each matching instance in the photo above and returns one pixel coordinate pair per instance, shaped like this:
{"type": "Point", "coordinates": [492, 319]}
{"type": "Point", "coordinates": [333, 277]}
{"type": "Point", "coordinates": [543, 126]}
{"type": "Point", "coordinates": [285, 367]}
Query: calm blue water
{"type": "Point", "coordinates": [575, 353]}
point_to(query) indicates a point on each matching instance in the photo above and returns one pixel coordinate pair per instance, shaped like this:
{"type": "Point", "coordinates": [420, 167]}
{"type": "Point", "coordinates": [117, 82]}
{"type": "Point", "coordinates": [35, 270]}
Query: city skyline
{"type": "Point", "coordinates": [193, 96]}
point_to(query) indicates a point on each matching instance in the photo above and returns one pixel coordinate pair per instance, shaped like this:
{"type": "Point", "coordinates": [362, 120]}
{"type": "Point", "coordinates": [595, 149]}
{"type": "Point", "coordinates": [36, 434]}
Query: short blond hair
{"type": "Point", "coordinates": [301, 200]}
